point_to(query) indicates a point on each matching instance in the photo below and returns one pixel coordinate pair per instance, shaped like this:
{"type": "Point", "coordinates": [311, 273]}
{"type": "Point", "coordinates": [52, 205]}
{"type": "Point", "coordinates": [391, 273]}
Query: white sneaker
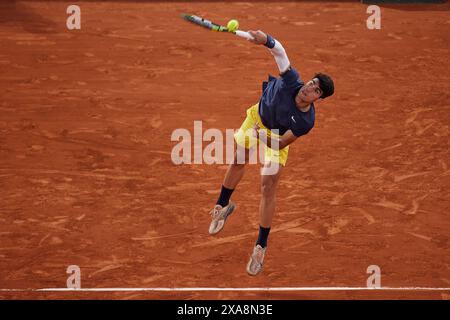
{"type": "Point", "coordinates": [255, 263]}
{"type": "Point", "coordinates": [219, 215]}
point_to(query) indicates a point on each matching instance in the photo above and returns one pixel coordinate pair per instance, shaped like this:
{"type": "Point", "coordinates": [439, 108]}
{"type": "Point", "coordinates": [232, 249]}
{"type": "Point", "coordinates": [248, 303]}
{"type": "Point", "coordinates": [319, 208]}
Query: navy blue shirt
{"type": "Point", "coordinates": [277, 107]}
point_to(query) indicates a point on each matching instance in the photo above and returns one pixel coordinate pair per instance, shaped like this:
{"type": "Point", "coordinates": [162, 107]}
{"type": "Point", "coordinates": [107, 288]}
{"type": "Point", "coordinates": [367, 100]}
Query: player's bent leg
{"type": "Point", "coordinates": [269, 184]}
{"type": "Point", "coordinates": [224, 206]}
{"type": "Point", "coordinates": [245, 143]}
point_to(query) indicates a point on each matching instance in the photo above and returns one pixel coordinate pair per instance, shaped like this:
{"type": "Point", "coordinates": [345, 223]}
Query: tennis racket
{"type": "Point", "coordinates": [214, 26]}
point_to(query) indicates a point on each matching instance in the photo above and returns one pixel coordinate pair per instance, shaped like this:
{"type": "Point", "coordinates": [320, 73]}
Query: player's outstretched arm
{"type": "Point", "coordinates": [275, 47]}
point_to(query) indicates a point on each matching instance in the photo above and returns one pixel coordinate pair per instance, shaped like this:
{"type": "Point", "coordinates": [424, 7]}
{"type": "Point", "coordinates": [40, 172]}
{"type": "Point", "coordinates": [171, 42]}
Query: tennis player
{"type": "Point", "coordinates": [284, 113]}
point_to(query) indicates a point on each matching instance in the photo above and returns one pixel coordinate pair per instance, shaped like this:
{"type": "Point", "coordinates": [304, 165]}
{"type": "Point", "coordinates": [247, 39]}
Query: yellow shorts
{"type": "Point", "coordinates": [244, 139]}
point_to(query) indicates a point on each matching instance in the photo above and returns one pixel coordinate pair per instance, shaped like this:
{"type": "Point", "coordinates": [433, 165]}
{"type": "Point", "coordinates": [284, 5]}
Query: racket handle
{"type": "Point", "coordinates": [244, 34]}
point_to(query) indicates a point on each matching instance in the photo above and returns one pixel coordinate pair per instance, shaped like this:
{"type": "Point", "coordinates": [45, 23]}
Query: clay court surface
{"type": "Point", "coordinates": [86, 175]}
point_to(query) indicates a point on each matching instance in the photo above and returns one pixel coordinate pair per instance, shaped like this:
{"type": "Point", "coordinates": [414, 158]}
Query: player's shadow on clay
{"type": "Point", "coordinates": [15, 13]}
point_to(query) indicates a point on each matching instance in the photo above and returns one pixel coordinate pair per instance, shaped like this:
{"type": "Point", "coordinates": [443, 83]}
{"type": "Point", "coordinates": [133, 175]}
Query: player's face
{"type": "Point", "coordinates": [310, 92]}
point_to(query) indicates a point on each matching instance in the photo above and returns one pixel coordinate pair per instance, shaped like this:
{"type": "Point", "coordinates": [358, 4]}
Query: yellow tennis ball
{"type": "Point", "coordinates": [232, 25]}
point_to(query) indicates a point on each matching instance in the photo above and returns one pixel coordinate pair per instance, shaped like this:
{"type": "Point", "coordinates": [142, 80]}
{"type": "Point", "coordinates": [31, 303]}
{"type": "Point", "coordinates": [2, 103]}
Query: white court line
{"type": "Point", "coordinates": [229, 289]}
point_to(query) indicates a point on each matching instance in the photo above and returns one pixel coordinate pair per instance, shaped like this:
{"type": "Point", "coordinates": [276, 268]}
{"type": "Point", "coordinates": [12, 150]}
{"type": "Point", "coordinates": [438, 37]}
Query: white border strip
{"type": "Point", "coordinates": [229, 289]}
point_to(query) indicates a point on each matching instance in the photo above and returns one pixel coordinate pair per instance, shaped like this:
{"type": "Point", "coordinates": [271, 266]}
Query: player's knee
{"type": "Point", "coordinates": [268, 187]}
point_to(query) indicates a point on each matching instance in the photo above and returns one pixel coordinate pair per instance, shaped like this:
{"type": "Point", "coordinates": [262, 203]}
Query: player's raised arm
{"type": "Point", "coordinates": [275, 47]}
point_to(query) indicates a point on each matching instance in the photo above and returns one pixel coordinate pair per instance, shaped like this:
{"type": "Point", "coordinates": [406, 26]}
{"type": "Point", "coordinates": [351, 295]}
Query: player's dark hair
{"type": "Point", "coordinates": [326, 84]}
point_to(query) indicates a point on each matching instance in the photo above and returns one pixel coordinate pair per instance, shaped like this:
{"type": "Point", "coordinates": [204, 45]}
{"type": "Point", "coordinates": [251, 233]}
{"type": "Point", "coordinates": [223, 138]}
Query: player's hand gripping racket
{"type": "Point", "coordinates": [214, 26]}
